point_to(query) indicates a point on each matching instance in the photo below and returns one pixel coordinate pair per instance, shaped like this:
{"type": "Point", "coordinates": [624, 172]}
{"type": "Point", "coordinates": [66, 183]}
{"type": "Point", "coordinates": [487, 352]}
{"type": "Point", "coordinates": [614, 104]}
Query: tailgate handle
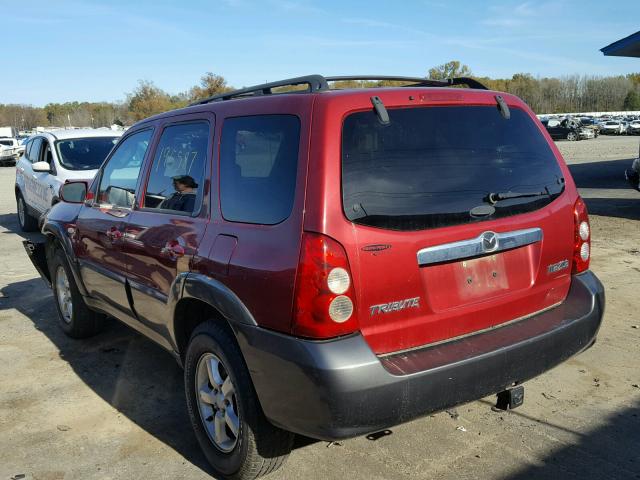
{"type": "Point", "coordinates": [483, 244]}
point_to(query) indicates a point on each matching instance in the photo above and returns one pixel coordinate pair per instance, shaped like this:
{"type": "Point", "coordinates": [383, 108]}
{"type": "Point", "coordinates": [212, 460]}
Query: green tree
{"type": "Point", "coordinates": [210, 85]}
{"type": "Point", "coordinates": [147, 100]}
{"type": "Point", "coordinates": [635, 78]}
{"type": "Point", "coordinates": [449, 70]}
{"type": "Point", "coordinates": [632, 100]}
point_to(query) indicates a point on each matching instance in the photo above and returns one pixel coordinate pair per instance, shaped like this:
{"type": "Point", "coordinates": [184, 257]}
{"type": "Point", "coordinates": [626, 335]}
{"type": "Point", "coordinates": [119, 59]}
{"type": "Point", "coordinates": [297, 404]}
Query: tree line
{"type": "Point", "coordinates": [145, 100]}
{"type": "Point", "coordinates": [572, 93]}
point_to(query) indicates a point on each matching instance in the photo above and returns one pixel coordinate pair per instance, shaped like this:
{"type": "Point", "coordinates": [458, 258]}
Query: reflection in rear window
{"type": "Point", "coordinates": [432, 165]}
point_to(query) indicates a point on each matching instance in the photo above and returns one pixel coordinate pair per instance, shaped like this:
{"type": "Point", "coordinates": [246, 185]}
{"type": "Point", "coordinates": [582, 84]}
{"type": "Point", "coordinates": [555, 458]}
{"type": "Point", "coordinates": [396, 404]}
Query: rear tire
{"type": "Point", "coordinates": [257, 447]}
{"type": "Point", "coordinates": [25, 220]}
{"type": "Point", "coordinates": [75, 318]}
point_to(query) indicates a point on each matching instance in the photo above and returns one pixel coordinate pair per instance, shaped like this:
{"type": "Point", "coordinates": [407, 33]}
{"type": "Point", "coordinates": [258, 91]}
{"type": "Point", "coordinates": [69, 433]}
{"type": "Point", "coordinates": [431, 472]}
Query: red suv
{"type": "Point", "coordinates": [331, 262]}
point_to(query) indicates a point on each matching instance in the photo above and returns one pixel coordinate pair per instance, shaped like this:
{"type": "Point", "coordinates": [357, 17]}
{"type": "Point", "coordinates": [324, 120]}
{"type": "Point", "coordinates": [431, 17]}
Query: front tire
{"type": "Point", "coordinates": [235, 436]}
{"type": "Point", "coordinates": [25, 220]}
{"type": "Point", "coordinates": [572, 136]}
{"type": "Point", "coordinates": [75, 318]}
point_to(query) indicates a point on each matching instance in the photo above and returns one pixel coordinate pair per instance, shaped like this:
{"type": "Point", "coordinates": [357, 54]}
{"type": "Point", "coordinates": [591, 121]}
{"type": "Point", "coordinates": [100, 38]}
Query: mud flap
{"type": "Point", "coordinates": [38, 255]}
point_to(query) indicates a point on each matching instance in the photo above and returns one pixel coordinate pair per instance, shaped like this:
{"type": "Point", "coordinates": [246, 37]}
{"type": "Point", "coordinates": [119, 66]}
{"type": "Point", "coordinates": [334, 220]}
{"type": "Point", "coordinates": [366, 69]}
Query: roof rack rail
{"type": "Point", "coordinates": [413, 81]}
{"type": "Point", "coordinates": [315, 83]}
{"type": "Point", "coordinates": [318, 83]}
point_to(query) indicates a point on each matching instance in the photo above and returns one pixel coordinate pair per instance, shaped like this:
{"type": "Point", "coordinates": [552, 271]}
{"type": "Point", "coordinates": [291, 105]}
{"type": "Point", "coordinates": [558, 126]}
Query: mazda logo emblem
{"type": "Point", "coordinates": [489, 241]}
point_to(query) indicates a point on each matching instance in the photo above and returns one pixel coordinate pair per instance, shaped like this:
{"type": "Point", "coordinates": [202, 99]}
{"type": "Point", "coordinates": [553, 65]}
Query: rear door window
{"type": "Point", "coordinates": [177, 172]}
{"type": "Point", "coordinates": [258, 165]}
{"type": "Point", "coordinates": [438, 166]}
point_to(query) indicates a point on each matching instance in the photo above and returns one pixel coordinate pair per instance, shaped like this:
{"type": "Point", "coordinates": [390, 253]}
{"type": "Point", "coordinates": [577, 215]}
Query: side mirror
{"type": "Point", "coordinates": [41, 167]}
{"type": "Point", "coordinates": [73, 192]}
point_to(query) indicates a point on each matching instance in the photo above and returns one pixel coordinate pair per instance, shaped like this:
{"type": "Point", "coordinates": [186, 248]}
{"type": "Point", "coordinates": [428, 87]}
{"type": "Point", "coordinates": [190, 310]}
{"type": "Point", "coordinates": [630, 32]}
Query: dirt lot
{"type": "Point", "coordinates": [113, 406]}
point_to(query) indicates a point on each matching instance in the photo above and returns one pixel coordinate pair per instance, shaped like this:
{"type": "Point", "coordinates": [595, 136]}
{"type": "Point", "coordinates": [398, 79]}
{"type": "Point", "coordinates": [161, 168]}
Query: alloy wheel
{"type": "Point", "coordinates": [63, 292]}
{"type": "Point", "coordinates": [217, 402]}
{"type": "Point", "coordinates": [21, 213]}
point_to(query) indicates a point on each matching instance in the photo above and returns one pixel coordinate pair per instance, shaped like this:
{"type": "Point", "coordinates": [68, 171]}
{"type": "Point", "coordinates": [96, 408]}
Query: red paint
{"type": "Point", "coordinates": [449, 306]}
{"type": "Point", "coordinates": [260, 263]}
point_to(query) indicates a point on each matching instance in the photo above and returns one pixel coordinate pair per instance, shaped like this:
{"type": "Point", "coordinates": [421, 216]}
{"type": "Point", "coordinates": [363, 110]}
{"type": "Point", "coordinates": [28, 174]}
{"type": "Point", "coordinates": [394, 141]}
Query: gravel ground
{"type": "Point", "coordinates": [113, 406]}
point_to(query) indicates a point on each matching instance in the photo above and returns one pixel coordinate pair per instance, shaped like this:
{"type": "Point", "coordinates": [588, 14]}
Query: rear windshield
{"type": "Point", "coordinates": [84, 153]}
{"type": "Point", "coordinates": [433, 167]}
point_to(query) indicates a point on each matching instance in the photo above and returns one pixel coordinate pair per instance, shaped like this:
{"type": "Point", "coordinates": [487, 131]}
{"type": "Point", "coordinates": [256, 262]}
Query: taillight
{"type": "Point", "coordinates": [324, 297]}
{"type": "Point", "coordinates": [582, 238]}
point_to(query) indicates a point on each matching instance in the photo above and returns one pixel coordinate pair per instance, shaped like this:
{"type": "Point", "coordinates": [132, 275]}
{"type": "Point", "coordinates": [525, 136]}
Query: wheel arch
{"type": "Point", "coordinates": [200, 298]}
{"type": "Point", "coordinates": [57, 235]}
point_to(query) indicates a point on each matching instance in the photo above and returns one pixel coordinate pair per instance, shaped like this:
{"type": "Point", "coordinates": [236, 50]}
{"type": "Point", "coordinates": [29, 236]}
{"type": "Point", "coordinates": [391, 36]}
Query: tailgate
{"type": "Point", "coordinates": [425, 288]}
{"type": "Point", "coordinates": [460, 219]}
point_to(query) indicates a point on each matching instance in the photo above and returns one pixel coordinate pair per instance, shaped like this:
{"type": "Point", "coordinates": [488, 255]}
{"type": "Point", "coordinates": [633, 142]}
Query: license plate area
{"type": "Point", "coordinates": [459, 283]}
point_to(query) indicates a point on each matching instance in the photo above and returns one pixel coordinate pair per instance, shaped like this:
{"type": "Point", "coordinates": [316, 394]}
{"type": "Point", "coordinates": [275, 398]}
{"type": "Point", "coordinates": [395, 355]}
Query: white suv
{"type": "Point", "coordinates": [10, 151]}
{"type": "Point", "coordinates": [51, 159]}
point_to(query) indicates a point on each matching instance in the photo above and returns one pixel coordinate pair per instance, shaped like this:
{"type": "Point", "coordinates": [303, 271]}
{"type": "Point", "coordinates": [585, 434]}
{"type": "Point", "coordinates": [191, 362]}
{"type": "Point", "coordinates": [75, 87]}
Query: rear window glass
{"type": "Point", "coordinates": [258, 165]}
{"type": "Point", "coordinates": [438, 166]}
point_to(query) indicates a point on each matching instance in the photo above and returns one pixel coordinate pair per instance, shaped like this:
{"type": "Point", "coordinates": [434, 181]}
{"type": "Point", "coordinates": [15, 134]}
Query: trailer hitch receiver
{"type": "Point", "coordinates": [510, 398]}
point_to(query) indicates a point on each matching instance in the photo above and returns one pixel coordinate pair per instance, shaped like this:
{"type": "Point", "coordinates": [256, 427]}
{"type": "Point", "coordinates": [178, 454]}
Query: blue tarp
{"type": "Point", "coordinates": [625, 47]}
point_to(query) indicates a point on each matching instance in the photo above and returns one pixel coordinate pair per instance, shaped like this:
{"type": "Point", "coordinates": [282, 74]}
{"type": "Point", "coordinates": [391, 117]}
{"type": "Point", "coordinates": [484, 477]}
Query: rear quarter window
{"type": "Point", "coordinates": [258, 166]}
{"type": "Point", "coordinates": [431, 166]}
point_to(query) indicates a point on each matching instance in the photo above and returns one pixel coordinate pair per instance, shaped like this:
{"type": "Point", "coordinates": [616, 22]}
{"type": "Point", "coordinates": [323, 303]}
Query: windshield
{"type": "Point", "coordinates": [431, 166]}
{"type": "Point", "coordinates": [6, 142]}
{"type": "Point", "coordinates": [84, 153]}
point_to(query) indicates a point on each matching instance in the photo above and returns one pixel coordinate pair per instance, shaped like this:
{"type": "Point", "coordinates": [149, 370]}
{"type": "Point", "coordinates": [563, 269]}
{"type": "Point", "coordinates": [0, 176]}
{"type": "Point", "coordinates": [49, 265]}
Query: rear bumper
{"type": "Point", "coordinates": [338, 389]}
{"type": "Point", "coordinates": [9, 159]}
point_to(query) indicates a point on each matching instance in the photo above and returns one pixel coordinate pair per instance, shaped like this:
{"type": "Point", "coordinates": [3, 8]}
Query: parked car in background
{"type": "Point", "coordinates": [10, 151]}
{"type": "Point", "coordinates": [591, 124]}
{"type": "Point", "coordinates": [568, 129]}
{"type": "Point", "coordinates": [625, 127]}
{"type": "Point", "coordinates": [52, 158]}
{"type": "Point", "coordinates": [331, 263]}
{"type": "Point", "coordinates": [612, 127]}
{"type": "Point", "coordinates": [634, 128]}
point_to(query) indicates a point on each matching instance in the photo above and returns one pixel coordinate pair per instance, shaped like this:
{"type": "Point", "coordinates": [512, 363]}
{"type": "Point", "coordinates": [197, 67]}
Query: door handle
{"type": "Point", "coordinates": [114, 234]}
{"type": "Point", "coordinates": [173, 250]}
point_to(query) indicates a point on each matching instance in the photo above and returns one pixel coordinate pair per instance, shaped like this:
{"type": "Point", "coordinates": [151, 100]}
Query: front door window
{"type": "Point", "coordinates": [120, 174]}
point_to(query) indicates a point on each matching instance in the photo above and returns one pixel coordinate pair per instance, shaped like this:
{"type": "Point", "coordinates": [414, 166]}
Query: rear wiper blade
{"type": "Point", "coordinates": [494, 198]}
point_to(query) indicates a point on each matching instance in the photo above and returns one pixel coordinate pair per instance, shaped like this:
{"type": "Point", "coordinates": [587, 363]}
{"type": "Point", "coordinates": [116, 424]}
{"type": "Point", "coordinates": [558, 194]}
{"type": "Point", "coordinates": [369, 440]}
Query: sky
{"type": "Point", "coordinates": [58, 51]}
